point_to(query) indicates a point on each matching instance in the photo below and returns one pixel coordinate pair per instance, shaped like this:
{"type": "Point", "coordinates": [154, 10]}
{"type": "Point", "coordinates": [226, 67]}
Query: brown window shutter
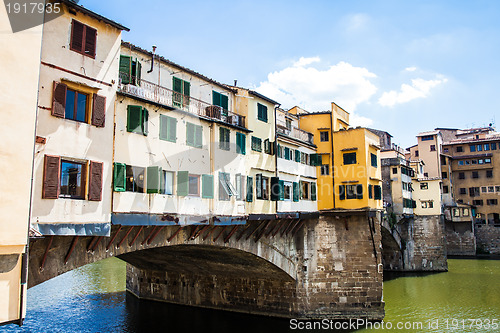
{"type": "Point", "coordinates": [95, 181]}
{"type": "Point", "coordinates": [51, 176]}
{"type": "Point", "coordinates": [98, 110]}
{"type": "Point", "coordinates": [90, 41]}
{"type": "Point", "coordinates": [77, 30]}
{"type": "Point", "coordinates": [59, 100]}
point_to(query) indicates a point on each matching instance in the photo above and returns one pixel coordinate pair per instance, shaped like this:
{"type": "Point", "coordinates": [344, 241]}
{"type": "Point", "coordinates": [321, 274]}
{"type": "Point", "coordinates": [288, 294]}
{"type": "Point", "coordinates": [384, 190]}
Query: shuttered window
{"type": "Point", "coordinates": [258, 186]}
{"type": "Point", "coordinates": [98, 110]}
{"type": "Point", "coordinates": [182, 91]}
{"type": "Point", "coordinates": [373, 160]}
{"type": "Point", "coordinates": [137, 119]}
{"type": "Point", "coordinates": [207, 185]}
{"type": "Point", "coordinates": [275, 189]}
{"type": "Point", "coordinates": [59, 100]}
{"type": "Point", "coordinates": [83, 39]}
{"type": "Point", "coordinates": [313, 191]}
{"type": "Point", "coordinates": [349, 158]}
{"type": "Point", "coordinates": [194, 135]}
{"type": "Point", "coordinates": [153, 177]}
{"type": "Point", "coordinates": [182, 183]}
{"type": "Point", "coordinates": [296, 192]}
{"type": "Point", "coordinates": [220, 100]}
{"type": "Point", "coordinates": [262, 112]}
{"type": "Point", "coordinates": [240, 186]}
{"type": "Point", "coordinates": [194, 185]}
{"type": "Point", "coordinates": [224, 135]}
{"type": "Point", "coordinates": [268, 147]}
{"type": "Point", "coordinates": [287, 153]}
{"type": "Point", "coordinates": [51, 175]}
{"type": "Point", "coordinates": [256, 144]}
{"type": "Point", "coordinates": [119, 177]}
{"type": "Point", "coordinates": [315, 160]}
{"type": "Point", "coordinates": [359, 191]}
{"type": "Point", "coordinates": [249, 196]}
{"type": "Point", "coordinates": [297, 155]}
{"type": "Point", "coordinates": [342, 192]}
{"type": "Point", "coordinates": [226, 189]}
{"type": "Point", "coordinates": [377, 192]}
{"type": "Point", "coordinates": [95, 181]}
{"type": "Point", "coordinates": [134, 179]}
{"type": "Point", "coordinates": [241, 143]}
{"type": "Point", "coordinates": [370, 191]}
{"type": "Point", "coordinates": [168, 128]}
{"type": "Point", "coordinates": [167, 183]}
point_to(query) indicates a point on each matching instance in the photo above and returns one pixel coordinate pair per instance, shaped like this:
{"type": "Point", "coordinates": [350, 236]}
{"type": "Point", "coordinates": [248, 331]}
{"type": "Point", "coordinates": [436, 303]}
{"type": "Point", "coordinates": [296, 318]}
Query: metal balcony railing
{"type": "Point", "coordinates": [294, 132]}
{"type": "Point", "coordinates": [161, 95]}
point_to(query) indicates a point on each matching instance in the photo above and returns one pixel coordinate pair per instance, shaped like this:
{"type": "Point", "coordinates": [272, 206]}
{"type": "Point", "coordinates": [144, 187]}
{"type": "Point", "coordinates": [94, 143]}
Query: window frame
{"type": "Point", "coordinates": [256, 144]}
{"type": "Point", "coordinates": [262, 112]}
{"type": "Point", "coordinates": [224, 138]}
{"type": "Point", "coordinates": [347, 158]}
{"type": "Point", "coordinates": [198, 178]}
{"type": "Point", "coordinates": [83, 180]}
{"type": "Point", "coordinates": [131, 184]}
{"type": "Point", "coordinates": [84, 41]}
{"type": "Point", "coordinates": [322, 135]}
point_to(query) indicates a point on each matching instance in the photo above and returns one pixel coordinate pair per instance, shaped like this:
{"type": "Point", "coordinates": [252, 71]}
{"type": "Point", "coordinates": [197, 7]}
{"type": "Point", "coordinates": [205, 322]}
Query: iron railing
{"type": "Point", "coordinates": [294, 132]}
{"type": "Point", "coordinates": [161, 95]}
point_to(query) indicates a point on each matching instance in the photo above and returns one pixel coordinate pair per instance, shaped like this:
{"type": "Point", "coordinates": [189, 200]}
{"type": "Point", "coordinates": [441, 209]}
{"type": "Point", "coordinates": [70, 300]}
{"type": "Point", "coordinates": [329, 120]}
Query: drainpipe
{"type": "Point", "coordinates": [275, 146]}
{"type": "Point", "coordinates": [331, 157]}
{"type": "Point", "coordinates": [152, 59]}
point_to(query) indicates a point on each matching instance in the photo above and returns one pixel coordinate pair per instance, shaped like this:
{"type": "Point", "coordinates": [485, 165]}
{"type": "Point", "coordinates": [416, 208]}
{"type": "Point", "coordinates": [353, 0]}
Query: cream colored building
{"type": "Point", "coordinates": [180, 149]}
{"type": "Point", "coordinates": [296, 174]}
{"type": "Point", "coordinates": [20, 54]}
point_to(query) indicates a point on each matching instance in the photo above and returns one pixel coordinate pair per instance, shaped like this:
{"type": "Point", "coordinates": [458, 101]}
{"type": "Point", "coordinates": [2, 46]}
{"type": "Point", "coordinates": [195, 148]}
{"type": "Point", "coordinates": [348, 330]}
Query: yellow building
{"type": "Point", "coordinates": [348, 163]}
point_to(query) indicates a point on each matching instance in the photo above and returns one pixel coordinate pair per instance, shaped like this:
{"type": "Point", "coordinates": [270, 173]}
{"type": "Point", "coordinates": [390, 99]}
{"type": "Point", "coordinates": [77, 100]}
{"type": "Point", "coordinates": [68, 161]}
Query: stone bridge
{"type": "Point", "coordinates": [323, 267]}
{"type": "Point", "coordinates": [414, 243]}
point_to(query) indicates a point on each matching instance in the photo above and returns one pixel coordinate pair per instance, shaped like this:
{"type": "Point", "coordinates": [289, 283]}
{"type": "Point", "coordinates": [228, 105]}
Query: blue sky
{"type": "Point", "coordinates": [400, 66]}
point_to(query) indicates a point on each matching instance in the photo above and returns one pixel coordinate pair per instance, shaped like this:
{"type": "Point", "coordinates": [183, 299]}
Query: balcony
{"type": "Point", "coordinates": [164, 96]}
{"type": "Point", "coordinates": [294, 132]}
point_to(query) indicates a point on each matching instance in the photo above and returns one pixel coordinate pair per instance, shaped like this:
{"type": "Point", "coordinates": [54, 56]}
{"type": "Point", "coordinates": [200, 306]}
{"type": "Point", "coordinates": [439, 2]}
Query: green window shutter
{"type": "Point", "coordinates": [249, 196]}
{"type": "Point", "coordinates": [296, 192]}
{"type": "Point", "coordinates": [134, 119]}
{"type": "Point", "coordinates": [282, 190]}
{"type": "Point", "coordinates": [224, 100]}
{"type": "Point", "coordinates": [359, 191]}
{"type": "Point", "coordinates": [182, 183]}
{"type": "Point", "coordinates": [297, 155]}
{"type": "Point", "coordinates": [190, 134]}
{"type": "Point", "coordinates": [216, 98]}
{"type": "Point", "coordinates": [342, 192]}
{"type": "Point", "coordinates": [144, 124]}
{"type": "Point", "coordinates": [313, 191]}
{"type": "Point", "coordinates": [275, 189]}
{"type": "Point", "coordinates": [119, 177]}
{"type": "Point", "coordinates": [287, 153]}
{"type": "Point", "coordinates": [241, 143]}
{"type": "Point", "coordinates": [370, 191]}
{"type": "Point", "coordinates": [279, 151]}
{"type": "Point", "coordinates": [168, 128]}
{"type": "Point", "coordinates": [262, 112]}
{"type": "Point", "coordinates": [187, 92]}
{"type": "Point", "coordinates": [258, 186]}
{"type": "Point", "coordinates": [374, 160]}
{"type": "Point", "coordinates": [177, 85]}
{"type": "Point", "coordinates": [207, 186]}
{"type": "Point", "coordinates": [198, 139]}
{"type": "Point", "coordinates": [125, 64]}
{"type": "Point", "coordinates": [153, 179]}
{"type": "Point", "coordinates": [377, 192]}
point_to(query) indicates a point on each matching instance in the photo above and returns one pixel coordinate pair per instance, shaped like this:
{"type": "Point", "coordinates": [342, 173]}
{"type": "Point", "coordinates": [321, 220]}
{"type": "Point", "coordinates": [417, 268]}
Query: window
{"type": "Point", "coordinates": [137, 119]}
{"type": "Point", "coordinates": [256, 144]}
{"type": "Point", "coordinates": [377, 192]}
{"type": "Point", "coordinates": [221, 100]}
{"type": "Point", "coordinates": [427, 204]}
{"type": "Point", "coordinates": [446, 189]}
{"type": "Point", "coordinates": [287, 191]}
{"type": "Point", "coordinates": [416, 153]}
{"type": "Point", "coordinates": [297, 155]}
{"type": "Point", "coordinates": [224, 134]}
{"type": "Point", "coordinates": [474, 191]}
{"type": "Point", "coordinates": [461, 175]}
{"type": "Point", "coordinates": [486, 146]}
{"type": "Point", "coordinates": [262, 112]}
{"type": "Point", "coordinates": [394, 171]}
{"type": "Point", "coordinates": [444, 175]}
{"type": "Point", "coordinates": [240, 186]}
{"type": "Point", "coordinates": [480, 161]}
{"type": "Point", "coordinates": [72, 180]}
{"type": "Point", "coordinates": [445, 150]}
{"type": "Point", "coordinates": [288, 123]}
{"type": "Point", "coordinates": [325, 169]}
{"type": "Point", "coordinates": [287, 153]}
{"type": "Point", "coordinates": [373, 160]}
{"type": "Point", "coordinates": [489, 173]}
{"type": "Point", "coordinates": [130, 70]}
{"type": "Point", "coordinates": [241, 143]}
{"type": "Point", "coordinates": [460, 162]}
{"type": "Point", "coordinates": [459, 149]}
{"type": "Point", "coordinates": [249, 196]}
{"type": "Point", "coordinates": [493, 146]}
{"type": "Point", "coordinates": [76, 106]}
{"type": "Point", "coordinates": [426, 174]}
{"type": "Point", "coordinates": [323, 136]}
{"type": "Point", "coordinates": [83, 39]}
{"type": "Point", "coordinates": [167, 185]}
{"type": "Point", "coordinates": [304, 158]}
{"type": "Point", "coordinates": [226, 189]}
{"type": "Point", "coordinates": [194, 185]}
{"type": "Point", "coordinates": [475, 174]}
{"type": "Point", "coordinates": [477, 202]}
{"type": "Point", "coordinates": [472, 148]}
{"type": "Point", "coordinates": [479, 147]}
{"type": "Point", "coordinates": [304, 190]}
{"type": "Point", "coordinates": [349, 158]}
{"type": "Point", "coordinates": [424, 186]}
{"type": "Point", "coordinates": [194, 135]}
{"type": "Point", "coordinates": [465, 211]}
{"type": "Point", "coordinates": [168, 128]}
{"type": "Point", "coordinates": [487, 160]}
{"type": "Point", "coordinates": [134, 179]}
{"type": "Point", "coordinates": [492, 202]}
{"type": "Point", "coordinates": [484, 189]}
{"type": "Point", "coordinates": [268, 147]}
{"type": "Point", "coordinates": [463, 190]}
{"type": "Point", "coordinates": [427, 137]}
{"type": "Point", "coordinates": [491, 189]}
{"type": "Point", "coordinates": [433, 147]}
{"type": "Point", "coordinates": [262, 187]}
{"type": "Point", "coordinates": [181, 92]}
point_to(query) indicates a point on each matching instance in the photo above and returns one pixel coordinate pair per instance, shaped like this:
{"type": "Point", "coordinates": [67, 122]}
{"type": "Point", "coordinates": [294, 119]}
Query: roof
{"type": "Point", "coordinates": [378, 132]}
{"type": "Point", "coordinates": [428, 133]}
{"type": "Point", "coordinates": [173, 64]}
{"type": "Point", "coordinates": [86, 11]}
{"type": "Point", "coordinates": [490, 137]}
{"type": "Point", "coordinates": [251, 92]}
{"type": "Point", "coordinates": [309, 113]}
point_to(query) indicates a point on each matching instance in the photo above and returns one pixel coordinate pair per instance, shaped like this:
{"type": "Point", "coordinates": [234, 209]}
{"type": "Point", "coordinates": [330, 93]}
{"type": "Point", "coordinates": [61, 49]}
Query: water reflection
{"type": "Point", "coordinates": [93, 299]}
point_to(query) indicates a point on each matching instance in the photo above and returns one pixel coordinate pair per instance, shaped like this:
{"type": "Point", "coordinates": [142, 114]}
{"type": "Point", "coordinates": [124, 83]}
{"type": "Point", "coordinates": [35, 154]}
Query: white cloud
{"type": "Point", "coordinates": [314, 89]}
{"type": "Point", "coordinates": [411, 69]}
{"type": "Point", "coordinates": [419, 88]}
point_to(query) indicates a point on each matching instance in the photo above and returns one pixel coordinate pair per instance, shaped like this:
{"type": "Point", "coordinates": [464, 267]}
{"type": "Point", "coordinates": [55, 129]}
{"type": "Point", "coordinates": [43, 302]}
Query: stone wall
{"type": "Point", "coordinates": [425, 243]}
{"type": "Point", "coordinates": [488, 239]}
{"type": "Point", "coordinates": [460, 239]}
